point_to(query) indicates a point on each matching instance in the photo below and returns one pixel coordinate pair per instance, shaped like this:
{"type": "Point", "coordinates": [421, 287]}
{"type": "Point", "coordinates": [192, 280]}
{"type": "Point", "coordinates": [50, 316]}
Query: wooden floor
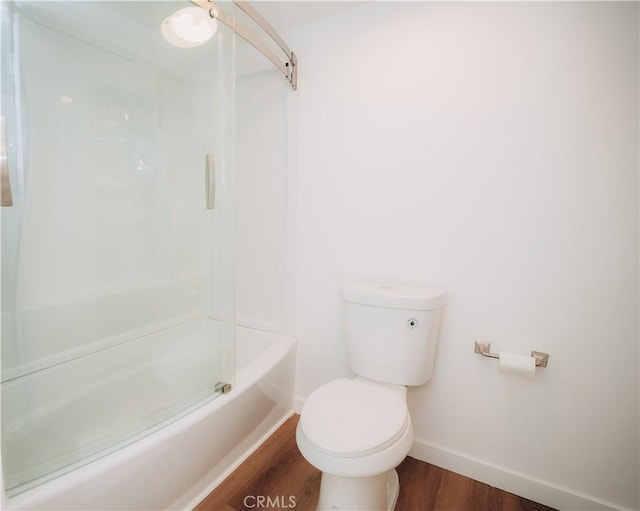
{"type": "Point", "coordinates": [278, 471]}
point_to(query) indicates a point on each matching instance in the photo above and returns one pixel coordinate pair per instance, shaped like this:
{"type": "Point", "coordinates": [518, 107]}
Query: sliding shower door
{"type": "Point", "coordinates": [117, 273]}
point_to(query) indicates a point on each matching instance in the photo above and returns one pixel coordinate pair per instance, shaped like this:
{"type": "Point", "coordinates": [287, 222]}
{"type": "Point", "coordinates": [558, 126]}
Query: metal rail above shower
{"type": "Point", "coordinates": [288, 66]}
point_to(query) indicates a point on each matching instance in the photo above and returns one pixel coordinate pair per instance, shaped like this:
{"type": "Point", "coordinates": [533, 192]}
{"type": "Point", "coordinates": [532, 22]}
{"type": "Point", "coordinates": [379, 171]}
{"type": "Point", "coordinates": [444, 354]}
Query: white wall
{"type": "Point", "coordinates": [491, 150]}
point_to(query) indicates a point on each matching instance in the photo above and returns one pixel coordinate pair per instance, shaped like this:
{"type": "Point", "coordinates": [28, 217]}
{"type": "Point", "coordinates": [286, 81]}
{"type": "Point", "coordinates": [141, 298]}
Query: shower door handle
{"type": "Point", "coordinates": [5, 185]}
{"type": "Point", "coordinates": [210, 180]}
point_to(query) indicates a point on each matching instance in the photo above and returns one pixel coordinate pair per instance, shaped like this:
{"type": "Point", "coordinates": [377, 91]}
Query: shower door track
{"type": "Point", "coordinates": [288, 67]}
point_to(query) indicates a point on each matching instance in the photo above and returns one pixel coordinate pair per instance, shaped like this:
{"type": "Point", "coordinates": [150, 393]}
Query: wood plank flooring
{"type": "Point", "coordinates": [278, 471]}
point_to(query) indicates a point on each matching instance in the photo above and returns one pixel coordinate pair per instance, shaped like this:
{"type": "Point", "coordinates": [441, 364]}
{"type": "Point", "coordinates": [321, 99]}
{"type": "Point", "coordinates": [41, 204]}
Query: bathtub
{"type": "Point", "coordinates": [177, 465]}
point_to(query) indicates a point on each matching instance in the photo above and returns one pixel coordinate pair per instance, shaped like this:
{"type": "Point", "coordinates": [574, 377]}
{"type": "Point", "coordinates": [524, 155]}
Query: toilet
{"type": "Point", "coordinates": [357, 431]}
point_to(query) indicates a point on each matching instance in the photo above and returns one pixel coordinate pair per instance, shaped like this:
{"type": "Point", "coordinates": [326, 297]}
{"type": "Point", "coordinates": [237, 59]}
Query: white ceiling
{"type": "Point", "coordinates": [283, 15]}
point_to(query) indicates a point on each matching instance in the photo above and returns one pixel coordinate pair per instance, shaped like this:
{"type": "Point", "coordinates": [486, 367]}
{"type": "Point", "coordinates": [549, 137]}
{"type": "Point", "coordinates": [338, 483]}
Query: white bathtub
{"type": "Point", "coordinates": [178, 465]}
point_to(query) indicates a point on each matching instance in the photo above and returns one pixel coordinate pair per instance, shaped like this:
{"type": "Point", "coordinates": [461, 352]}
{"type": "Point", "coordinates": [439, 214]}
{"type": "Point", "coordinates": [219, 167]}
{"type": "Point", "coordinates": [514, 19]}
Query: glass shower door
{"type": "Point", "coordinates": [117, 272]}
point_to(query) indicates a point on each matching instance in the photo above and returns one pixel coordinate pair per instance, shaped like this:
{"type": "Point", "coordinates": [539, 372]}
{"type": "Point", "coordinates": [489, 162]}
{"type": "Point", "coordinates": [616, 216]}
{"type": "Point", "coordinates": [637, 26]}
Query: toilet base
{"type": "Point", "coordinates": [377, 493]}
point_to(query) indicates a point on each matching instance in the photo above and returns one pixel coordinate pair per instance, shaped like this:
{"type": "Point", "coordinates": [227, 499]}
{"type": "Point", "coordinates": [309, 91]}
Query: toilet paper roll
{"type": "Point", "coordinates": [517, 364]}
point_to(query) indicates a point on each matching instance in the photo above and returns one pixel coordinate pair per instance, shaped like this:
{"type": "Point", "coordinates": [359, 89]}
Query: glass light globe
{"type": "Point", "coordinates": [189, 27]}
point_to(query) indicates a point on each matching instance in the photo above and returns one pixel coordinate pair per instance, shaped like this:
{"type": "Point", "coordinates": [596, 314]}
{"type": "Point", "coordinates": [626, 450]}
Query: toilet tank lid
{"type": "Point", "coordinates": [393, 296]}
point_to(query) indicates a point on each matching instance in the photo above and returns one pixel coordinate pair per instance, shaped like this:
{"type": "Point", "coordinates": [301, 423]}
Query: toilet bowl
{"type": "Point", "coordinates": [356, 431]}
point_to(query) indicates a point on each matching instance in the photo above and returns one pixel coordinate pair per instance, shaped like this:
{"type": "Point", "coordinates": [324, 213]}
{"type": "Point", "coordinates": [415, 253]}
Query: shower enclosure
{"type": "Point", "coordinates": [117, 253]}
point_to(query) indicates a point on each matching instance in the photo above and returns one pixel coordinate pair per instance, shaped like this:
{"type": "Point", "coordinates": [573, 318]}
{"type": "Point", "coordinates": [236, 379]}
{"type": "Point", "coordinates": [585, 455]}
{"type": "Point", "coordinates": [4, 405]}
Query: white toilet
{"type": "Point", "coordinates": [356, 431]}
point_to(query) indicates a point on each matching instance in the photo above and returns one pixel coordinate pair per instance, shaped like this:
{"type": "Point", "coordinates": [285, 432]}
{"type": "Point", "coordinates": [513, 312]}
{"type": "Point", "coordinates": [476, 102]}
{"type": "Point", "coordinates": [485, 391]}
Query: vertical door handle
{"type": "Point", "coordinates": [210, 180]}
{"type": "Point", "coordinates": [5, 185]}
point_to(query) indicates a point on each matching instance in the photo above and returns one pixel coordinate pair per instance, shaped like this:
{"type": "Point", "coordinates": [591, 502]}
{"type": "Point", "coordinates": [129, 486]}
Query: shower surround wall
{"type": "Point", "coordinates": [264, 251]}
{"type": "Point", "coordinates": [126, 152]}
{"type": "Point", "coordinates": [491, 150]}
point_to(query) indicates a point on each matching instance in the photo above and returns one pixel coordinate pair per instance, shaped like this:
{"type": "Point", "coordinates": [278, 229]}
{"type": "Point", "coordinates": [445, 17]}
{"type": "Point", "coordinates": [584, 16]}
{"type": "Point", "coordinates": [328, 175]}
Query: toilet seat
{"type": "Point", "coordinates": [354, 418]}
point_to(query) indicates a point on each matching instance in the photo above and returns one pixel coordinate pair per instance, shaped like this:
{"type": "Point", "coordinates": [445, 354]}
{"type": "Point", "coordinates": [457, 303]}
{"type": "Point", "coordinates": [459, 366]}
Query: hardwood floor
{"type": "Point", "coordinates": [278, 472]}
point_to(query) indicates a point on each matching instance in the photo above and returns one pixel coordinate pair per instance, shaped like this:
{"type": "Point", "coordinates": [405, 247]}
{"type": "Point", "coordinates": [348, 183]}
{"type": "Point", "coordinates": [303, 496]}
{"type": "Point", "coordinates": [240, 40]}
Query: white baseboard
{"type": "Point", "coordinates": [507, 480]}
{"type": "Point", "coordinates": [297, 404]}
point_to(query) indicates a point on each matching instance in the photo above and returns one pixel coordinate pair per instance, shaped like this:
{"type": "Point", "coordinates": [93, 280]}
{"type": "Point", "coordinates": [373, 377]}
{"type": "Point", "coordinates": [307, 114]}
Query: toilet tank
{"type": "Point", "coordinates": [391, 331]}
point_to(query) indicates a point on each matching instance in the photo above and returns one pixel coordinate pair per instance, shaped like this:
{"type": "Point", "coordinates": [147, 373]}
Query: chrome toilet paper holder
{"type": "Point", "coordinates": [484, 349]}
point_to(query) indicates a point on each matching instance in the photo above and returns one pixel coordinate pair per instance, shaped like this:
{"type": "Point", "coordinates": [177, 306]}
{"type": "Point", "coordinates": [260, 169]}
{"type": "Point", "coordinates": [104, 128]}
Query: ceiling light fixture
{"type": "Point", "coordinates": [189, 27]}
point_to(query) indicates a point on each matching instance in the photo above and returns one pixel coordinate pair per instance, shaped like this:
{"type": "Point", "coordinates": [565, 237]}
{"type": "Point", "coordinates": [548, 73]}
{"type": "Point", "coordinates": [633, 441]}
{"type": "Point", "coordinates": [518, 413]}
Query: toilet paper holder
{"type": "Point", "coordinates": [484, 349]}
